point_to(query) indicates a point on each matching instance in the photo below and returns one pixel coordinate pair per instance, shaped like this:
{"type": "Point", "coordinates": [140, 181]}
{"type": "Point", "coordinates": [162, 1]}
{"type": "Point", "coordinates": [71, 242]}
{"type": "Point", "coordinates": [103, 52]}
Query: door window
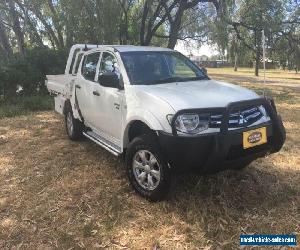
{"type": "Point", "coordinates": [90, 65]}
{"type": "Point", "coordinates": [109, 64]}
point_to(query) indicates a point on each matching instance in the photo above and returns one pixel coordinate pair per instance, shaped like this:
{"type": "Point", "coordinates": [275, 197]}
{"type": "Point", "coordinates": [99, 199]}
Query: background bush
{"type": "Point", "coordinates": [21, 105]}
{"type": "Point", "coordinates": [25, 76]}
{"type": "Point", "coordinates": [22, 80]}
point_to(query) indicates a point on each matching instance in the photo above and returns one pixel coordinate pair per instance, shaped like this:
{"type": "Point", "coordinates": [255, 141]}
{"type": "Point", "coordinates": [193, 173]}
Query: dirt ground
{"type": "Point", "coordinates": [59, 194]}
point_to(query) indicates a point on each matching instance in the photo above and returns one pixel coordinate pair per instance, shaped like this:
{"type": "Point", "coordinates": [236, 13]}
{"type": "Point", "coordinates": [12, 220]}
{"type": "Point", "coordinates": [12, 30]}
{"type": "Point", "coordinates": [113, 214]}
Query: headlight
{"type": "Point", "coordinates": [263, 111]}
{"type": "Point", "coordinates": [191, 123]}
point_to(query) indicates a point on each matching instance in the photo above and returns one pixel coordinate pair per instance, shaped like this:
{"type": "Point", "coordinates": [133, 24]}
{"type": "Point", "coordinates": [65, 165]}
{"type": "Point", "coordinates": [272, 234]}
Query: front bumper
{"type": "Point", "coordinates": [224, 150]}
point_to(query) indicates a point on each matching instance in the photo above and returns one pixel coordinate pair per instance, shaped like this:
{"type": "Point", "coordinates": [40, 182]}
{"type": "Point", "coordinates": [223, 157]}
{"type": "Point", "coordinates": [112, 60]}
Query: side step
{"type": "Point", "coordinates": [114, 149]}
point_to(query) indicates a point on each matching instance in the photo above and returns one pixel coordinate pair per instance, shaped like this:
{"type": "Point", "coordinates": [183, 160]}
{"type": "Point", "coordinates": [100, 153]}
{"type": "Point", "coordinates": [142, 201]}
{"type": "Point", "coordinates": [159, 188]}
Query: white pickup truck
{"type": "Point", "coordinates": [163, 113]}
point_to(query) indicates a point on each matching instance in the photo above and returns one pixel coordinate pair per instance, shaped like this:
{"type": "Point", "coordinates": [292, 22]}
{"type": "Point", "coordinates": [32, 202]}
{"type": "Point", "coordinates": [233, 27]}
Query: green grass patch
{"type": "Point", "coordinates": [25, 104]}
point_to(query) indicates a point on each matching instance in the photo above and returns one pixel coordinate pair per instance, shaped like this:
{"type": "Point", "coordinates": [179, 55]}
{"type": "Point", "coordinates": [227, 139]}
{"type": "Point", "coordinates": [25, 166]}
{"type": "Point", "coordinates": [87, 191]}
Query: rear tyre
{"type": "Point", "coordinates": [74, 127]}
{"type": "Point", "coordinates": [147, 170]}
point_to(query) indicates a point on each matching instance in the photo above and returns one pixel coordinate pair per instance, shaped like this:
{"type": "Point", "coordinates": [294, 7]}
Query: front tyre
{"type": "Point", "coordinates": [147, 170]}
{"type": "Point", "coordinates": [73, 126]}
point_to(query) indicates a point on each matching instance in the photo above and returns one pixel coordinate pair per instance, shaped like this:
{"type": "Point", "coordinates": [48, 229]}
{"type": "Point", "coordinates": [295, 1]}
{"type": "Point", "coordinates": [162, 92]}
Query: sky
{"type": "Point", "coordinates": [205, 49]}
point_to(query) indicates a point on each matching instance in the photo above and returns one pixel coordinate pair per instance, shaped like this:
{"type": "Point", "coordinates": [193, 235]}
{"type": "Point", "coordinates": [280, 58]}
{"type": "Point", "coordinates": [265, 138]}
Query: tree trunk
{"type": "Point", "coordinates": [27, 21]}
{"type": "Point", "coordinates": [69, 36]}
{"type": "Point", "coordinates": [173, 37]}
{"type": "Point", "coordinates": [124, 23]}
{"type": "Point", "coordinates": [36, 35]}
{"type": "Point", "coordinates": [235, 60]}
{"type": "Point", "coordinates": [50, 32]}
{"type": "Point", "coordinates": [7, 50]}
{"type": "Point", "coordinates": [125, 41]}
{"type": "Point", "coordinates": [257, 57]}
{"type": "Point", "coordinates": [92, 36]}
{"type": "Point", "coordinates": [175, 26]}
{"type": "Point", "coordinates": [143, 23]}
{"type": "Point", "coordinates": [16, 27]}
{"type": "Point", "coordinates": [258, 37]}
{"type": "Point", "coordinates": [56, 23]}
{"type": "Point", "coordinates": [69, 32]}
{"type": "Point", "coordinates": [123, 30]}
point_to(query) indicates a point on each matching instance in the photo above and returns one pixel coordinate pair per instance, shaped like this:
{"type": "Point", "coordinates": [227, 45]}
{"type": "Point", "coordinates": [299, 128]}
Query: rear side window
{"type": "Point", "coordinates": [73, 60]}
{"type": "Point", "coordinates": [77, 63]}
{"type": "Point", "coordinates": [89, 66]}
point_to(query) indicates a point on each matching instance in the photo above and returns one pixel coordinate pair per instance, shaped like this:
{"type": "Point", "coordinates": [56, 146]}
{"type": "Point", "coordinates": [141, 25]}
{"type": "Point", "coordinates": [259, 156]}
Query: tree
{"type": "Point", "coordinates": [247, 19]}
{"type": "Point", "coordinates": [231, 24]}
{"type": "Point", "coordinates": [287, 47]}
{"type": "Point", "coordinates": [62, 23]}
{"type": "Point", "coordinates": [170, 15]}
{"type": "Point", "coordinates": [154, 14]}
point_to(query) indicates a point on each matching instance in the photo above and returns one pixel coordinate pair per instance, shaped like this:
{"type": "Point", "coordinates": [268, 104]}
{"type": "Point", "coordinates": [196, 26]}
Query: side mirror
{"type": "Point", "coordinates": [109, 79]}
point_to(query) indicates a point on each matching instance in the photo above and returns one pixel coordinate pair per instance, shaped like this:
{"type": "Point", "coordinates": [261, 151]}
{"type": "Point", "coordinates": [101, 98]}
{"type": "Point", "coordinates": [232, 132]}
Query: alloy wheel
{"type": "Point", "coordinates": [146, 169]}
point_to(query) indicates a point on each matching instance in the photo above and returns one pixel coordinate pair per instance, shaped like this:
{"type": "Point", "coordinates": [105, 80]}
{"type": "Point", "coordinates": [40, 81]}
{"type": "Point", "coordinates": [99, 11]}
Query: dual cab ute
{"type": "Point", "coordinates": [163, 113]}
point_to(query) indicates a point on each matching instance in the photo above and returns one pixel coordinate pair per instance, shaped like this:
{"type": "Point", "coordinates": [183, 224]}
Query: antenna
{"type": "Point", "coordinates": [85, 48]}
{"type": "Point", "coordinates": [264, 59]}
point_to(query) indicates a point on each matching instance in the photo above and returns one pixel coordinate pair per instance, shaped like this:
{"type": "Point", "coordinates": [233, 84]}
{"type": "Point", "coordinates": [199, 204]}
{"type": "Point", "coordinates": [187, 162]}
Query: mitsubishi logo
{"type": "Point", "coordinates": [242, 119]}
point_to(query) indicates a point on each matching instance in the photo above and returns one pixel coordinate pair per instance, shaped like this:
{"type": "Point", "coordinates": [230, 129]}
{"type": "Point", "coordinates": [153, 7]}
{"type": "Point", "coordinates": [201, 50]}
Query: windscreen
{"type": "Point", "coordinates": [157, 67]}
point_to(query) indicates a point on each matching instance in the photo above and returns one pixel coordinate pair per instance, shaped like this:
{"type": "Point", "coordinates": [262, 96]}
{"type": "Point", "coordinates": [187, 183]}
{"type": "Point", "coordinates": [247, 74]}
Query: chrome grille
{"type": "Point", "coordinates": [238, 118]}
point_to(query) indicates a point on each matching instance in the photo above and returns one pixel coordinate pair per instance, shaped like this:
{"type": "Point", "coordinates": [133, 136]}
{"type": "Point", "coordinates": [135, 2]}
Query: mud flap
{"type": "Point", "coordinates": [77, 112]}
{"type": "Point", "coordinates": [77, 107]}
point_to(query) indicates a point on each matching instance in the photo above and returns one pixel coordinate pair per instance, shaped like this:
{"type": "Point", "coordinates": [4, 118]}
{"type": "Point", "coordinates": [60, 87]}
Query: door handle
{"type": "Point", "coordinates": [96, 93]}
{"type": "Point", "coordinates": [117, 105]}
{"type": "Point", "coordinates": [77, 86]}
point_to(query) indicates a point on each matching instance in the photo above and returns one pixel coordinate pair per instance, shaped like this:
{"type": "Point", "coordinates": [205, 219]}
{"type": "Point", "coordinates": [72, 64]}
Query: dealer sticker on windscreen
{"type": "Point", "coordinates": [254, 137]}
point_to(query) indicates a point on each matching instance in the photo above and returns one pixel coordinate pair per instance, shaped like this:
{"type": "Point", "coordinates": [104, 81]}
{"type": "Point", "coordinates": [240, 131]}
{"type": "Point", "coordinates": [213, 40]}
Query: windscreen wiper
{"type": "Point", "coordinates": [177, 79]}
{"type": "Point", "coordinates": [196, 78]}
{"type": "Point", "coordinates": [169, 79]}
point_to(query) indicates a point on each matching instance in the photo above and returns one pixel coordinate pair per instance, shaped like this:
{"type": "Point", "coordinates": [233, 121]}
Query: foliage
{"type": "Point", "coordinates": [241, 25]}
{"type": "Point", "coordinates": [27, 27]}
{"type": "Point", "coordinates": [26, 75]}
{"type": "Point", "coordinates": [24, 104]}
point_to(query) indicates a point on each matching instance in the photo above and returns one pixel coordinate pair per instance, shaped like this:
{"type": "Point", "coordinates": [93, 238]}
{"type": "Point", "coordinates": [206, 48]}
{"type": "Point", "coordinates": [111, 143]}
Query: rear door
{"type": "Point", "coordinates": [85, 86]}
{"type": "Point", "coordinates": [108, 118]}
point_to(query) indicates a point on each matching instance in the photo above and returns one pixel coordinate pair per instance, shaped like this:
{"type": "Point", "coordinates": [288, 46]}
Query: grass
{"type": "Point", "coordinates": [274, 77]}
{"type": "Point", "coordinates": [24, 105]}
{"type": "Point", "coordinates": [55, 193]}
